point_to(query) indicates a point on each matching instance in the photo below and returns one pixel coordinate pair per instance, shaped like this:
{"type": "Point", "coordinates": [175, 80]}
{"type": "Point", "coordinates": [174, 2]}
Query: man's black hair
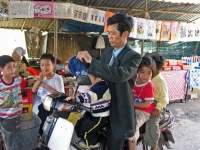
{"type": "Point", "coordinates": [48, 56]}
{"type": "Point", "coordinates": [159, 60]}
{"type": "Point", "coordinates": [147, 62]}
{"type": "Point", "coordinates": [4, 59]}
{"type": "Point", "coordinates": [125, 22]}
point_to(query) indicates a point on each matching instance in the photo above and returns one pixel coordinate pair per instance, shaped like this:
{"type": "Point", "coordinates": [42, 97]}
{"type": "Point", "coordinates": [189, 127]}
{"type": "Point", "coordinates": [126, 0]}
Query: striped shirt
{"type": "Point", "coordinates": [98, 97]}
{"type": "Point", "coordinates": [10, 96]}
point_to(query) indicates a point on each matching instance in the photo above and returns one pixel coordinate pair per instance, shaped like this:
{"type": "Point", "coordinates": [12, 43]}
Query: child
{"type": "Point", "coordinates": [143, 92]}
{"type": "Point", "coordinates": [161, 99]}
{"type": "Point", "coordinates": [98, 97]}
{"type": "Point", "coordinates": [10, 88]}
{"type": "Point", "coordinates": [48, 82]}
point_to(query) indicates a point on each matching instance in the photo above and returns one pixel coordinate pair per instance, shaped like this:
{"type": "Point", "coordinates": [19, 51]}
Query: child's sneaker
{"type": "Point", "coordinates": [83, 145]}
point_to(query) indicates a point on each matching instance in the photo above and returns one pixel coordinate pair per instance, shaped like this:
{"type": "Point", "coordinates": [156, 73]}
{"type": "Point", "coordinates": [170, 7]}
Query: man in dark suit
{"type": "Point", "coordinates": [118, 66]}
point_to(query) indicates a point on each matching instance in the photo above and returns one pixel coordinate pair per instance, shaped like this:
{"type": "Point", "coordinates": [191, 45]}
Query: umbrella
{"type": "Point", "coordinates": [100, 43]}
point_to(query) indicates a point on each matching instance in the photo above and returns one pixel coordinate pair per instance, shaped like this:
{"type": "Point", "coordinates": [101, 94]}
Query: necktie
{"type": "Point", "coordinates": [112, 59]}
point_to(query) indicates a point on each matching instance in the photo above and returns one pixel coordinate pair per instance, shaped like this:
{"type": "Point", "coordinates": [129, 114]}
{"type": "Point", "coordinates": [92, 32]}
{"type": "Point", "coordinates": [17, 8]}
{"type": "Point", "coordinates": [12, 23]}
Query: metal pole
{"type": "Point", "coordinates": [142, 47]}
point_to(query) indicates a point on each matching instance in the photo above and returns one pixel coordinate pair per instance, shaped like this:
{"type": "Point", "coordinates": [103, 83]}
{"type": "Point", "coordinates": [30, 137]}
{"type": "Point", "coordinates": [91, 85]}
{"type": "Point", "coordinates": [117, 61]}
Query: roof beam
{"type": "Point", "coordinates": [135, 5]}
{"type": "Point", "coordinates": [164, 8]}
{"type": "Point", "coordinates": [92, 28]}
{"type": "Point", "coordinates": [51, 24]}
{"type": "Point", "coordinates": [113, 8]}
{"type": "Point", "coordinates": [172, 7]}
{"type": "Point", "coordinates": [194, 20]}
{"type": "Point", "coordinates": [101, 32]}
{"type": "Point", "coordinates": [155, 5]}
{"type": "Point", "coordinates": [62, 24]}
{"type": "Point", "coordinates": [88, 1]}
{"type": "Point", "coordinates": [178, 12]}
{"type": "Point", "coordinates": [80, 27]}
{"type": "Point", "coordinates": [23, 24]}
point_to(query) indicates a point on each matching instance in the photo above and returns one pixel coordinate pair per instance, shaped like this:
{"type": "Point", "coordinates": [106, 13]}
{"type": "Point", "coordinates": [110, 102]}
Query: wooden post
{"type": "Point", "coordinates": [158, 43]}
{"type": "Point", "coordinates": [196, 48]}
{"type": "Point", "coordinates": [55, 41]}
{"type": "Point", "coordinates": [142, 47]}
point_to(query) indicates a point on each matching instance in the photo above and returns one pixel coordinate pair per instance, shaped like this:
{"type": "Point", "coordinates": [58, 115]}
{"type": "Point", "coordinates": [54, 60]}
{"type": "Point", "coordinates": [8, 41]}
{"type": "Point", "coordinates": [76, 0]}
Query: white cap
{"type": "Point", "coordinates": [20, 51]}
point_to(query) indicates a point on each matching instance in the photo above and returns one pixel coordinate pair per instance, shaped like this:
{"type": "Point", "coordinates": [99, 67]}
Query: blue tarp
{"type": "Point", "coordinates": [77, 26]}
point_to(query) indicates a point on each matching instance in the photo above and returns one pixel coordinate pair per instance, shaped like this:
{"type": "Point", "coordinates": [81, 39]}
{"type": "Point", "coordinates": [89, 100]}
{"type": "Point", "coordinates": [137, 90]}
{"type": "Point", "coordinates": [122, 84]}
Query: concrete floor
{"type": "Point", "coordinates": [186, 128]}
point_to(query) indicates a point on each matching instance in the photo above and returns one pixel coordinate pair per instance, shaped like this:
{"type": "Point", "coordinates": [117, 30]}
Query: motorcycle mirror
{"type": "Point", "coordinates": [83, 80]}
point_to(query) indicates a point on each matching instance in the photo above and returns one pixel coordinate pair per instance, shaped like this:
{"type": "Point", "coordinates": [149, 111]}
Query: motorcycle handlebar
{"type": "Point", "coordinates": [76, 106]}
{"type": "Point", "coordinates": [81, 107]}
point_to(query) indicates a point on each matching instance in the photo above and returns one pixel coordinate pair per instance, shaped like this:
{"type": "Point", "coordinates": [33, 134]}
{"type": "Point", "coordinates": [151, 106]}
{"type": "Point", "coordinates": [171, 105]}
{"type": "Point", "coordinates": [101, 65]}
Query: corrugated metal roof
{"type": "Point", "coordinates": [157, 10]}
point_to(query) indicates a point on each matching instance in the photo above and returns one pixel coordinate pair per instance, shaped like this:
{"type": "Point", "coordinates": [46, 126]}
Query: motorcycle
{"type": "Point", "coordinates": [56, 128]}
{"type": "Point", "coordinates": [57, 131]}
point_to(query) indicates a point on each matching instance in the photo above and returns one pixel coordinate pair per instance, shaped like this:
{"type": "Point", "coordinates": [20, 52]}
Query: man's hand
{"type": "Point", "coordinates": [156, 113]}
{"type": "Point", "coordinates": [84, 55]}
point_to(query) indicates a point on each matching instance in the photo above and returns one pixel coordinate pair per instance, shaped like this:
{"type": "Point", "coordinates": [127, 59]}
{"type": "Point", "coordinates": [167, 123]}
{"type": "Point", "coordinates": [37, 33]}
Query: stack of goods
{"type": "Point", "coordinates": [193, 62]}
{"type": "Point", "coordinates": [27, 100]}
{"type": "Point", "coordinates": [172, 64]}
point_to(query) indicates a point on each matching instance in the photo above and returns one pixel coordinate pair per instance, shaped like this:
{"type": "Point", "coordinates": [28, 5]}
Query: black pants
{"type": "Point", "coordinates": [43, 114]}
{"type": "Point", "coordinates": [88, 126]}
{"type": "Point", "coordinates": [112, 142]}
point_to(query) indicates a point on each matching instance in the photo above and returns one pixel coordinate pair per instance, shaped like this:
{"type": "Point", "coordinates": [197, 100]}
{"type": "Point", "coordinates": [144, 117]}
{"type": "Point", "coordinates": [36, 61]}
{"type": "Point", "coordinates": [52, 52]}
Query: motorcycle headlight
{"type": "Point", "coordinates": [47, 103]}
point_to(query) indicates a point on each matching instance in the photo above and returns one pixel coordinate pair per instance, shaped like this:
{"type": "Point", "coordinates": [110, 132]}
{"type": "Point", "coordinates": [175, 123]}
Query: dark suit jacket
{"type": "Point", "coordinates": [120, 78]}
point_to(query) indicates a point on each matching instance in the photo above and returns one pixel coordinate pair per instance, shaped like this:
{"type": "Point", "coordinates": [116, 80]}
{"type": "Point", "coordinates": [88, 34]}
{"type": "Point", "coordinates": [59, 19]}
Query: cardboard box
{"type": "Point", "coordinates": [172, 62]}
{"type": "Point", "coordinates": [166, 68]}
{"type": "Point", "coordinates": [185, 67]}
{"type": "Point", "coordinates": [192, 96]}
{"type": "Point", "coordinates": [176, 67]}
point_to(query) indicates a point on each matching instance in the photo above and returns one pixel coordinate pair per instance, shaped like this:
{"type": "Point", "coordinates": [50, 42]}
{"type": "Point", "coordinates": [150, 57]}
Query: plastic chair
{"type": "Point", "coordinates": [32, 71]}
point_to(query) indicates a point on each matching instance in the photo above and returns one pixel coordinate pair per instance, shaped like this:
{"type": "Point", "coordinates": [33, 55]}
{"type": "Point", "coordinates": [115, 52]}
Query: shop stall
{"type": "Point", "coordinates": [60, 18]}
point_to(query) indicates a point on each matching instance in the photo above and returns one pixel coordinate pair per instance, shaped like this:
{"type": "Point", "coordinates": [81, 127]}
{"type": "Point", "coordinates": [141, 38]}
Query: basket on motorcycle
{"type": "Point", "coordinates": [20, 132]}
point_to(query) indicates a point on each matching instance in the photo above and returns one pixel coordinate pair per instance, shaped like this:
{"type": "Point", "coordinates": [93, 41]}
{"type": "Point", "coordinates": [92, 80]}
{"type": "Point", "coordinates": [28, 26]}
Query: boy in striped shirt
{"type": "Point", "coordinates": [10, 88]}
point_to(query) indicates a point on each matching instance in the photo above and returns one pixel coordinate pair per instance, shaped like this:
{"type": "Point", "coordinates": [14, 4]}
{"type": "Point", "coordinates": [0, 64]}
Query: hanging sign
{"type": "Point", "coordinates": [191, 31]}
{"type": "Point", "coordinates": [142, 28]}
{"type": "Point", "coordinates": [165, 31]}
{"type": "Point", "coordinates": [158, 29]}
{"type": "Point", "coordinates": [96, 16]}
{"type": "Point", "coordinates": [43, 9]}
{"type": "Point", "coordinates": [133, 32]}
{"type": "Point", "coordinates": [4, 8]}
{"type": "Point", "coordinates": [21, 9]}
{"type": "Point", "coordinates": [151, 29]}
{"type": "Point", "coordinates": [62, 10]}
{"type": "Point", "coordinates": [183, 31]}
{"type": "Point", "coordinates": [196, 32]}
{"type": "Point", "coordinates": [80, 13]}
{"type": "Point", "coordinates": [108, 15]}
{"type": "Point", "coordinates": [174, 31]}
